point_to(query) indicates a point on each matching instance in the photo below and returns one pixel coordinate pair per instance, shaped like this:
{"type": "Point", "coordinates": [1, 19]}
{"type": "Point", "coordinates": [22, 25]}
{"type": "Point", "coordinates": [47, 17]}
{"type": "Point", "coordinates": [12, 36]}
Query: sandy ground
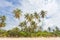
{"type": "Point", "coordinates": [42, 38]}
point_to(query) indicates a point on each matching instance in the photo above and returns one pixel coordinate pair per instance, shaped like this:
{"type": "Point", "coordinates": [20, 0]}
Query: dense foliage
{"type": "Point", "coordinates": [16, 32]}
{"type": "Point", "coordinates": [32, 26]}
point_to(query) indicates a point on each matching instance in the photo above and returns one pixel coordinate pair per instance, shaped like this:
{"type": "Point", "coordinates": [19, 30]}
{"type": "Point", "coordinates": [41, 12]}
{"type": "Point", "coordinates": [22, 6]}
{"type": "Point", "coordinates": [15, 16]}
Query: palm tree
{"type": "Point", "coordinates": [40, 28]}
{"type": "Point", "coordinates": [2, 19]}
{"type": "Point", "coordinates": [2, 24]}
{"type": "Point", "coordinates": [57, 29]}
{"type": "Point", "coordinates": [17, 13]}
{"type": "Point", "coordinates": [29, 17]}
{"type": "Point", "coordinates": [32, 16]}
{"type": "Point", "coordinates": [36, 15]}
{"type": "Point", "coordinates": [43, 14]}
{"type": "Point", "coordinates": [23, 24]}
{"type": "Point", "coordinates": [33, 25]}
{"type": "Point", "coordinates": [49, 29]}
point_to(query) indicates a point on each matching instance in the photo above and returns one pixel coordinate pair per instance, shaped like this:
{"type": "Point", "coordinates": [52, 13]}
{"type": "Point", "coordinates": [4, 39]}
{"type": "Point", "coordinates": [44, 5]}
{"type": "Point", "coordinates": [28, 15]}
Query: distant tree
{"type": "Point", "coordinates": [17, 13]}
{"type": "Point", "coordinates": [29, 17]}
{"type": "Point", "coordinates": [33, 25]}
{"type": "Point", "coordinates": [23, 25]}
{"type": "Point", "coordinates": [57, 29]}
{"type": "Point", "coordinates": [3, 33]}
{"type": "Point", "coordinates": [2, 21]}
{"type": "Point", "coordinates": [43, 14]}
{"type": "Point", "coordinates": [49, 29]}
{"type": "Point", "coordinates": [36, 15]}
{"type": "Point", "coordinates": [15, 32]}
{"type": "Point", "coordinates": [3, 18]}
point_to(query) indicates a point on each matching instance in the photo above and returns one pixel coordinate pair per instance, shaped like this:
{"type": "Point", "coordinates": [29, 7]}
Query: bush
{"type": "Point", "coordinates": [23, 34]}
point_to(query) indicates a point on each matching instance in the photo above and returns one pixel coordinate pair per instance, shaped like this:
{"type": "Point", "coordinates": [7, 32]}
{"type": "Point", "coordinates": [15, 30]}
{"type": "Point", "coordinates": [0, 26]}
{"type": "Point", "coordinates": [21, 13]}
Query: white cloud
{"type": "Point", "coordinates": [51, 6]}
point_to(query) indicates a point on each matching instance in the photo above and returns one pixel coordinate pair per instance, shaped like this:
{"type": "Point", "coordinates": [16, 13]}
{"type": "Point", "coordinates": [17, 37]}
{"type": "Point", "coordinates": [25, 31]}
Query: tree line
{"type": "Point", "coordinates": [32, 26]}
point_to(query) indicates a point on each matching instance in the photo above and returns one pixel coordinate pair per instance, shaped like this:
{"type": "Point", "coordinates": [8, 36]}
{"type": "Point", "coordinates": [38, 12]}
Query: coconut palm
{"type": "Point", "coordinates": [57, 29]}
{"type": "Point", "coordinates": [32, 16]}
{"type": "Point", "coordinates": [40, 28]}
{"type": "Point", "coordinates": [2, 24]}
{"type": "Point", "coordinates": [29, 17]}
{"type": "Point", "coordinates": [43, 14]}
{"type": "Point", "coordinates": [33, 25]}
{"type": "Point", "coordinates": [23, 24]}
{"type": "Point", "coordinates": [2, 19]}
{"type": "Point", "coordinates": [36, 15]}
{"type": "Point", "coordinates": [17, 13]}
{"type": "Point", "coordinates": [49, 29]}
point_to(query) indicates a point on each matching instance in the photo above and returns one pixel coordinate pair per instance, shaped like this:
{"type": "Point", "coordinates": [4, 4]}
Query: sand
{"type": "Point", "coordinates": [41, 38]}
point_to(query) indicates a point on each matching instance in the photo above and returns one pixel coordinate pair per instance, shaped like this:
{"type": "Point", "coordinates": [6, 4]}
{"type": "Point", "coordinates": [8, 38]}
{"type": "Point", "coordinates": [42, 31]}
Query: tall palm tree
{"type": "Point", "coordinates": [43, 14]}
{"type": "Point", "coordinates": [40, 28]}
{"type": "Point", "coordinates": [33, 25]}
{"type": "Point", "coordinates": [2, 24]}
{"type": "Point", "coordinates": [17, 13]}
{"type": "Point", "coordinates": [2, 19]}
{"type": "Point", "coordinates": [49, 29]}
{"type": "Point", "coordinates": [57, 29]}
{"type": "Point", "coordinates": [23, 24]}
{"type": "Point", "coordinates": [36, 15]}
{"type": "Point", "coordinates": [29, 17]}
{"type": "Point", "coordinates": [32, 16]}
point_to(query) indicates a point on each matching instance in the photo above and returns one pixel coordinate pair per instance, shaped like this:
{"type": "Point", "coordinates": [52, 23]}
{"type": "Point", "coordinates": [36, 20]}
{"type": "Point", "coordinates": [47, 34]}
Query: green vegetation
{"type": "Point", "coordinates": [29, 27]}
{"type": "Point", "coordinates": [2, 21]}
{"type": "Point", "coordinates": [16, 32]}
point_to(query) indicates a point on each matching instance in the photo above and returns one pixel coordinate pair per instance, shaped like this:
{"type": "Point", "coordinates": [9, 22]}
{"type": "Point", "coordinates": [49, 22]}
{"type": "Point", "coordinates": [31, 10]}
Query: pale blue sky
{"type": "Point", "coordinates": [51, 6]}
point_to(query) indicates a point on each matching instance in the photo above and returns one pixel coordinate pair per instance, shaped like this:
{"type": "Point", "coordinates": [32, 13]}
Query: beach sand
{"type": "Point", "coordinates": [41, 38]}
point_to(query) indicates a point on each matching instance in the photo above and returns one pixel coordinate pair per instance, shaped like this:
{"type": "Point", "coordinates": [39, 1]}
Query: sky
{"type": "Point", "coordinates": [28, 6]}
